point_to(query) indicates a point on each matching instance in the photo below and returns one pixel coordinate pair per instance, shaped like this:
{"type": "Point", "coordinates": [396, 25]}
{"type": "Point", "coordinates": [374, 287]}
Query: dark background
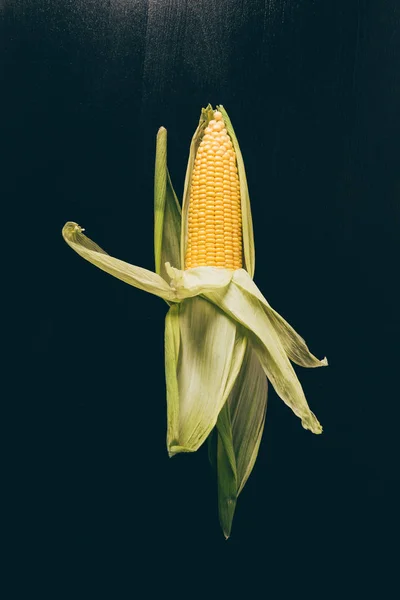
{"type": "Point", "coordinates": [313, 91]}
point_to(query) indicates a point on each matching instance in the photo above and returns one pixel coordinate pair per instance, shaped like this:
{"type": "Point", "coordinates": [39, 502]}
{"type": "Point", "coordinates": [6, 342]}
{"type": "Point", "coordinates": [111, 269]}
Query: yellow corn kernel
{"type": "Point", "coordinates": [214, 236]}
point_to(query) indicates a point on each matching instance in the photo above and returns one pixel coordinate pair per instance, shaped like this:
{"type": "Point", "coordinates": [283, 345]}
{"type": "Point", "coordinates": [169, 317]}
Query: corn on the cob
{"type": "Point", "coordinates": [221, 335]}
{"type": "Point", "coordinates": [214, 219]}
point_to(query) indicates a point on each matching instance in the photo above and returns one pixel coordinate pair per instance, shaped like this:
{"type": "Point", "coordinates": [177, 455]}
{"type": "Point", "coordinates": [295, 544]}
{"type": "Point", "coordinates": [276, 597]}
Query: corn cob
{"type": "Point", "coordinates": [214, 219]}
{"type": "Point", "coordinates": [221, 335]}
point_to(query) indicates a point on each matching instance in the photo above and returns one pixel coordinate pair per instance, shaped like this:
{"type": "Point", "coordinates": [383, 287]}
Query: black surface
{"type": "Point", "coordinates": [313, 91]}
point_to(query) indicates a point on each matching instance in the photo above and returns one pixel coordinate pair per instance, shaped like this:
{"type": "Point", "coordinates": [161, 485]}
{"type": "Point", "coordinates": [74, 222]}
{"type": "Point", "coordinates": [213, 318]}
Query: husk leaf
{"type": "Point", "coordinates": [248, 405]}
{"type": "Point", "coordinates": [135, 276]}
{"type": "Point", "coordinates": [239, 430]}
{"type": "Point", "coordinates": [198, 280]}
{"type": "Point", "coordinates": [167, 212]}
{"type": "Point", "coordinates": [247, 310]}
{"type": "Point", "coordinates": [226, 472]}
{"type": "Point", "coordinates": [204, 372]}
{"type": "Point", "coordinates": [172, 345]}
{"type": "Point", "coordinates": [221, 452]}
{"type": "Point", "coordinates": [294, 345]}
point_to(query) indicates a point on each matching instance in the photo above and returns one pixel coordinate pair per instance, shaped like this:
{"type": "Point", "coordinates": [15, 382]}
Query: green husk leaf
{"type": "Point", "coordinates": [220, 447]}
{"type": "Point", "coordinates": [135, 276]}
{"type": "Point", "coordinates": [248, 311]}
{"type": "Point", "coordinates": [198, 280]}
{"type": "Point", "coordinates": [204, 372]}
{"type": "Point", "coordinates": [247, 221]}
{"type": "Point", "coordinates": [172, 344]}
{"type": "Point", "coordinates": [167, 212]}
{"type": "Point", "coordinates": [226, 472]}
{"type": "Point", "coordinates": [248, 405]}
{"type": "Point", "coordinates": [239, 428]}
{"type": "Point", "coordinates": [294, 345]}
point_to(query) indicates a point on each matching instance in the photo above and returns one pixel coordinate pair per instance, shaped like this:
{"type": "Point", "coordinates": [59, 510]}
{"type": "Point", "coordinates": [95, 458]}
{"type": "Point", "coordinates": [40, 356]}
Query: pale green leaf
{"type": "Point", "coordinates": [236, 365]}
{"type": "Point", "coordinates": [167, 212]}
{"type": "Point", "coordinates": [136, 276]}
{"type": "Point", "coordinates": [294, 345]}
{"type": "Point", "coordinates": [220, 446]}
{"type": "Point", "coordinates": [172, 344]}
{"type": "Point", "coordinates": [198, 280]}
{"type": "Point", "coordinates": [247, 405]}
{"type": "Point", "coordinates": [238, 355]}
{"type": "Point", "coordinates": [247, 222]}
{"type": "Point", "coordinates": [239, 430]}
{"type": "Point", "coordinates": [204, 371]}
{"type": "Point", "coordinates": [226, 472]}
{"type": "Point", "coordinates": [248, 311]}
